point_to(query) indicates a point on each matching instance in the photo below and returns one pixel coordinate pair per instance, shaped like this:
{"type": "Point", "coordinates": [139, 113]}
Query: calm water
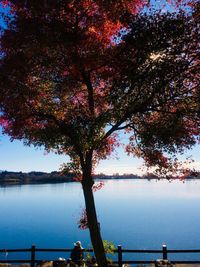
{"type": "Point", "coordinates": [134, 213]}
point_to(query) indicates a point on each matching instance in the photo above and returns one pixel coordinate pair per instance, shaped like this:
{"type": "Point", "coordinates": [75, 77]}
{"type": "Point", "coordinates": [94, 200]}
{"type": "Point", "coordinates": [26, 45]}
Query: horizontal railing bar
{"type": "Point", "coordinates": [59, 250]}
{"type": "Point", "coordinates": [183, 251]}
{"type": "Point", "coordinates": [52, 250]}
{"type": "Point", "coordinates": [141, 251]}
{"type": "Point", "coordinates": [159, 251]}
{"type": "Point", "coordinates": [184, 262]}
{"type": "Point", "coordinates": [91, 250]}
{"type": "Point", "coordinates": [15, 250]}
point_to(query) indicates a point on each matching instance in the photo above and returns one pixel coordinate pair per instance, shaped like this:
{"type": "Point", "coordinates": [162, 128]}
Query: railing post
{"type": "Point", "coordinates": [33, 256]}
{"type": "Point", "coordinates": [164, 250]}
{"type": "Point", "coordinates": [119, 255]}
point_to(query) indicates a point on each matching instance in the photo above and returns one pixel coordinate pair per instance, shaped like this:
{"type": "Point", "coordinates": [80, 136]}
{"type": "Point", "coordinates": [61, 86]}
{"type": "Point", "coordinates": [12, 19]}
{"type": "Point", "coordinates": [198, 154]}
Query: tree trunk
{"type": "Point", "coordinates": [93, 224]}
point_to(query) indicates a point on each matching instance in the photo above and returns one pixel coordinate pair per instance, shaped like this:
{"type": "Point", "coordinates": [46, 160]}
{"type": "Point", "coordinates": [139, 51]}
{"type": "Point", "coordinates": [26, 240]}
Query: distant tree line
{"type": "Point", "coordinates": [34, 177]}
{"type": "Point", "coordinates": [8, 177]}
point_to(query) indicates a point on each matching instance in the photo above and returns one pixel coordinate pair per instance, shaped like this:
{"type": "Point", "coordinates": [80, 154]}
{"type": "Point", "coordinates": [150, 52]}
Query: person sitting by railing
{"type": "Point", "coordinates": [77, 255]}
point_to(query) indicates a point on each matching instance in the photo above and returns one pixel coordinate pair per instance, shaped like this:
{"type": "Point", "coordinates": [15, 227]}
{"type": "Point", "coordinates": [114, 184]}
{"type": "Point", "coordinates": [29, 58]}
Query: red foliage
{"type": "Point", "coordinates": [5, 3]}
{"type": "Point", "coordinates": [97, 186]}
{"type": "Point", "coordinates": [64, 80]}
{"type": "Point", "coordinates": [83, 222]}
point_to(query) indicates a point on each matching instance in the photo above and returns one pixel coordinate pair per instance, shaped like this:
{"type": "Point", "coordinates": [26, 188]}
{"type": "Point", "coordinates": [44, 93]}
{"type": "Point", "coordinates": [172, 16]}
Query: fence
{"type": "Point", "coordinates": [164, 252]}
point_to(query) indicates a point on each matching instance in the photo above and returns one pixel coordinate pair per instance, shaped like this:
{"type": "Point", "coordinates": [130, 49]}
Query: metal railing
{"type": "Point", "coordinates": [119, 251]}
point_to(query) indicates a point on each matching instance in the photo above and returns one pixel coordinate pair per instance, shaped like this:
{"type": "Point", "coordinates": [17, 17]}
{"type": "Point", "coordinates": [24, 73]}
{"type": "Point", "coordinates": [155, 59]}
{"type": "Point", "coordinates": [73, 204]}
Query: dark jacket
{"type": "Point", "coordinates": [77, 255]}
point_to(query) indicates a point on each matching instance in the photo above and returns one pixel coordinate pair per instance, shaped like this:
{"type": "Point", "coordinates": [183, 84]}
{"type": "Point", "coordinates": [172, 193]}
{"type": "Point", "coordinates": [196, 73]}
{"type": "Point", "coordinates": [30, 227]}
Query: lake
{"type": "Point", "coordinates": [138, 214]}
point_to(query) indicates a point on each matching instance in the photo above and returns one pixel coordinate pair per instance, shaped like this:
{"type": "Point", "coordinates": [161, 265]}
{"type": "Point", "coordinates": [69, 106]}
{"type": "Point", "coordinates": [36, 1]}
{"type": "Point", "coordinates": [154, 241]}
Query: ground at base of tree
{"type": "Point", "coordinates": [50, 264]}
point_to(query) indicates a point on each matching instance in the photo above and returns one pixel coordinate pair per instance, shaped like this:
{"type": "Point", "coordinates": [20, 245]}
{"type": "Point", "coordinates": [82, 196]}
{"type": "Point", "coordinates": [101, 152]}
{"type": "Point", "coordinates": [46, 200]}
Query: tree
{"type": "Point", "coordinates": [73, 73]}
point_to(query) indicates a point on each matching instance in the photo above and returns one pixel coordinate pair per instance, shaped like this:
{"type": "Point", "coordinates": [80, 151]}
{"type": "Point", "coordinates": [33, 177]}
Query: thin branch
{"type": "Point", "coordinates": [124, 127]}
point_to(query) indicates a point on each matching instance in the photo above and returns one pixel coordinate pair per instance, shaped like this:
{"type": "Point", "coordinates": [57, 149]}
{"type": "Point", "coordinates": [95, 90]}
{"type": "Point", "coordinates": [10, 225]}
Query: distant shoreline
{"type": "Point", "coordinates": [19, 178]}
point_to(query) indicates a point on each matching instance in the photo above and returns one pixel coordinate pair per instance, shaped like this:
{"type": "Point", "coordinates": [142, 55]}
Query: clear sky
{"type": "Point", "coordinates": [14, 156]}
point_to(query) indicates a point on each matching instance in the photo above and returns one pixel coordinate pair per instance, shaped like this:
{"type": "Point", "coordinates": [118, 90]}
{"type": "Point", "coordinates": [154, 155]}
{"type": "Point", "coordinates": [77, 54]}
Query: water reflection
{"type": "Point", "coordinates": [135, 213]}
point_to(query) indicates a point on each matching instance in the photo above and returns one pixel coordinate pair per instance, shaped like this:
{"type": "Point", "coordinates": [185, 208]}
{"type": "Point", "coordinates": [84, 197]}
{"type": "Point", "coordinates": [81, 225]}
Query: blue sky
{"type": "Point", "coordinates": [14, 156]}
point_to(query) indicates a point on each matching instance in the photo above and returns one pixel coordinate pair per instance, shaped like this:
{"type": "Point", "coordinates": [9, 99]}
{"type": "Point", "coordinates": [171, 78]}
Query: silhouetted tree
{"type": "Point", "coordinates": [73, 73]}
